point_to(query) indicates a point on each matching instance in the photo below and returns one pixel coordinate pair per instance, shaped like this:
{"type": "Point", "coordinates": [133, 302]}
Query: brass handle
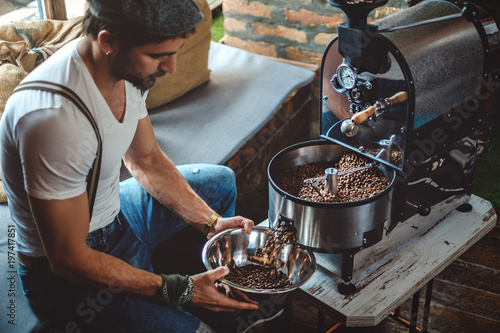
{"type": "Point", "coordinates": [360, 117]}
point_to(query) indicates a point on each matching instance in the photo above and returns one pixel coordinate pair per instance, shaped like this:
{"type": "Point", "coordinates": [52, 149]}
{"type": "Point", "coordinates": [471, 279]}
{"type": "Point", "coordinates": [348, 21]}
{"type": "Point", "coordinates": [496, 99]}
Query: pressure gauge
{"type": "Point", "coordinates": [346, 76]}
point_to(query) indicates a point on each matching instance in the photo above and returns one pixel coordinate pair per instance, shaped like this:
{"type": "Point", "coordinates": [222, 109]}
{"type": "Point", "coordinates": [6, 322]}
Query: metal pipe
{"type": "Point", "coordinates": [427, 305]}
{"type": "Point", "coordinates": [385, 152]}
{"type": "Point", "coordinates": [40, 9]}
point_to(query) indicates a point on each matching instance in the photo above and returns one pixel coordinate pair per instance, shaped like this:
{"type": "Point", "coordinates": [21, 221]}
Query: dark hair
{"type": "Point", "coordinates": [126, 36]}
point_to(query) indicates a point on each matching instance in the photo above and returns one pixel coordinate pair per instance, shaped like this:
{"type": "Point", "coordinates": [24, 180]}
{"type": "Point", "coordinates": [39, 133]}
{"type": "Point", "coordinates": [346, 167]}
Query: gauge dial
{"type": "Point", "coordinates": [346, 76]}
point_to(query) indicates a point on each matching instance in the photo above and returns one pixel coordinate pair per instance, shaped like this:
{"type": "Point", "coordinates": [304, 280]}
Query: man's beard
{"type": "Point", "coordinates": [144, 83]}
{"type": "Point", "coordinates": [122, 63]}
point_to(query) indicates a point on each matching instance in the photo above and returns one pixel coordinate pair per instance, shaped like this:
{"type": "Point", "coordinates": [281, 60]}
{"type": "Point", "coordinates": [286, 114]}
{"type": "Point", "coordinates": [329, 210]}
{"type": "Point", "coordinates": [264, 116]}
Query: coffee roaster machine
{"type": "Point", "coordinates": [414, 92]}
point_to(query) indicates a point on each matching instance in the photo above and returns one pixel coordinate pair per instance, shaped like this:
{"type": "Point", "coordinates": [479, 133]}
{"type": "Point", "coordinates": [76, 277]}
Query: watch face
{"type": "Point", "coordinates": [346, 75]}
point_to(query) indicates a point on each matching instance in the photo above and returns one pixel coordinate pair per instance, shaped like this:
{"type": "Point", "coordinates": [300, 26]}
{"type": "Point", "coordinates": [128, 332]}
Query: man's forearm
{"type": "Point", "coordinates": [159, 176]}
{"type": "Point", "coordinates": [71, 258]}
{"type": "Point", "coordinates": [100, 270]}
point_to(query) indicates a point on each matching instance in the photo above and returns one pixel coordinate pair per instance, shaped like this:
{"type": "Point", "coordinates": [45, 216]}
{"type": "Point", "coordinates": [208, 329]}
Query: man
{"type": "Point", "coordinates": [98, 276]}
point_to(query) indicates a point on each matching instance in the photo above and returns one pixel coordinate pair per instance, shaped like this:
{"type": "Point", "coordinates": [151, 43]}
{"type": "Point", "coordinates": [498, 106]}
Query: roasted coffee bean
{"type": "Point", "coordinates": [258, 277]}
{"type": "Point", "coordinates": [267, 276]}
{"type": "Point", "coordinates": [283, 235]}
{"type": "Point", "coordinates": [351, 187]}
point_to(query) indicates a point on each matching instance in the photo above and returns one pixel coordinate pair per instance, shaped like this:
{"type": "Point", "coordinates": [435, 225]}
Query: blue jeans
{"type": "Point", "coordinates": [142, 224]}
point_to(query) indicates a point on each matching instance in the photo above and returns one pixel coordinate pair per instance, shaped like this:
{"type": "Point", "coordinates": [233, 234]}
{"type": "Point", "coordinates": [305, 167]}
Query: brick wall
{"type": "Point", "coordinates": [297, 30]}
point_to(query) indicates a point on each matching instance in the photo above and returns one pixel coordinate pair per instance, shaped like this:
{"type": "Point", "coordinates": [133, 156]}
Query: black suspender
{"type": "Point", "coordinates": [93, 176]}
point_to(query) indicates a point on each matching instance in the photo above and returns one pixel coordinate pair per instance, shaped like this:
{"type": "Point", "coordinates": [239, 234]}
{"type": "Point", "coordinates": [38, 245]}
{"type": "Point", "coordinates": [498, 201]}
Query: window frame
{"type": "Point", "coordinates": [54, 9]}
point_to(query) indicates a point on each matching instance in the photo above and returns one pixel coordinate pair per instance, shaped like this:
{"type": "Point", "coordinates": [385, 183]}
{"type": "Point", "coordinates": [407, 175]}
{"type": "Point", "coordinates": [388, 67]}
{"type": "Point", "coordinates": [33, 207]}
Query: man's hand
{"type": "Point", "coordinates": [207, 295]}
{"type": "Point", "coordinates": [224, 223]}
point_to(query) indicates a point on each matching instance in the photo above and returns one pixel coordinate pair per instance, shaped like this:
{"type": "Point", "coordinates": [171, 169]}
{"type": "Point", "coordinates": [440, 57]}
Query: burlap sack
{"type": "Point", "coordinates": [192, 64]}
{"type": "Point", "coordinates": [24, 45]}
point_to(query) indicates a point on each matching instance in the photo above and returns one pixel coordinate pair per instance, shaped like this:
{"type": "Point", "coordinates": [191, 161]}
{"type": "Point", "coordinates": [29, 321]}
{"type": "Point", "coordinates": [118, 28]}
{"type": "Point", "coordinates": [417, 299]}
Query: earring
{"type": "Point", "coordinates": [108, 53]}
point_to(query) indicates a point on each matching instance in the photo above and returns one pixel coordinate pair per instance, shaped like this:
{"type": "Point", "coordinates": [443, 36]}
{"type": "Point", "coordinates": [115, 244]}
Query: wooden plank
{"type": "Point", "coordinates": [481, 255]}
{"type": "Point", "coordinates": [382, 252]}
{"type": "Point", "coordinates": [466, 299]}
{"type": "Point", "coordinates": [55, 9]}
{"type": "Point", "coordinates": [451, 320]}
{"type": "Point", "coordinates": [493, 237]}
{"type": "Point", "coordinates": [390, 277]}
{"type": "Point", "coordinates": [483, 278]}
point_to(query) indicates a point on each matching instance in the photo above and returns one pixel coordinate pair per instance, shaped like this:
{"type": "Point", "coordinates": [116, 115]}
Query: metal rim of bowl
{"type": "Point", "coordinates": [254, 290]}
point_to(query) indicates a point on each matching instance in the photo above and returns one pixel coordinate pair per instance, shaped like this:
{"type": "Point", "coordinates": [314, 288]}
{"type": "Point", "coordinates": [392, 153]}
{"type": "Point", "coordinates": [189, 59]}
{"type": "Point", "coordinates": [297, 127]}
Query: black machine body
{"type": "Point", "coordinates": [404, 92]}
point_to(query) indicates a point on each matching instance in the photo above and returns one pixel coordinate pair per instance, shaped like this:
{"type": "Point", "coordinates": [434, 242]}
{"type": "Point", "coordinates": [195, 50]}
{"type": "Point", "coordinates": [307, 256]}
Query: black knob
{"type": "Point", "coordinates": [423, 210]}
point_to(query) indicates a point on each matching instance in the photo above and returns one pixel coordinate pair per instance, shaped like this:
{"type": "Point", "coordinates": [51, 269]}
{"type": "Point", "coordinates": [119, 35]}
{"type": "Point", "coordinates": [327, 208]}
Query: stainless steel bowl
{"type": "Point", "coordinates": [236, 248]}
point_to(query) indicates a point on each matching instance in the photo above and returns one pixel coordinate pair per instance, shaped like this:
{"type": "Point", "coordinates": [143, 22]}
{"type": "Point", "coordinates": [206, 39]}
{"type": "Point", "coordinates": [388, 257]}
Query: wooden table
{"type": "Point", "coordinates": [391, 271]}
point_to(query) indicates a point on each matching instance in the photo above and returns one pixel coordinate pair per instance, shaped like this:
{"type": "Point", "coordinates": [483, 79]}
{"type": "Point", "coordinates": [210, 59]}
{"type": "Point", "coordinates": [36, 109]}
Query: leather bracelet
{"type": "Point", "coordinates": [208, 225]}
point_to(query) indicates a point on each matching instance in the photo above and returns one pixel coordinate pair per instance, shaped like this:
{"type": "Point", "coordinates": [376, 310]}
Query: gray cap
{"type": "Point", "coordinates": [158, 17]}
